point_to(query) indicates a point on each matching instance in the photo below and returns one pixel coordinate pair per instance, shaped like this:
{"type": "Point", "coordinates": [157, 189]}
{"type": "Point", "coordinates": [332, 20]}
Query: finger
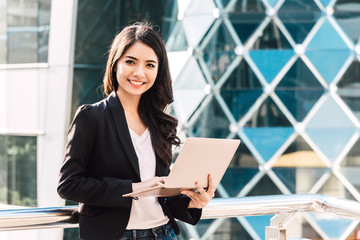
{"type": "Point", "coordinates": [211, 186]}
{"type": "Point", "coordinates": [200, 188]}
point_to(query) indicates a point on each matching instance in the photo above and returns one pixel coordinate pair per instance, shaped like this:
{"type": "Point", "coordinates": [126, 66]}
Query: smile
{"type": "Point", "coordinates": [137, 83]}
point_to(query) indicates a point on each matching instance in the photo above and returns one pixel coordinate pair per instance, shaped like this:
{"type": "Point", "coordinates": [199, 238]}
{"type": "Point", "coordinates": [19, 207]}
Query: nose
{"type": "Point", "coordinates": [139, 71]}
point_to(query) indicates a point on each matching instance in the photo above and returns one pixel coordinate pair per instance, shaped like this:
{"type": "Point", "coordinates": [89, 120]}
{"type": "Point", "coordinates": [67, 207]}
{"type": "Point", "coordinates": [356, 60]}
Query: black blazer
{"type": "Point", "coordinates": [100, 166]}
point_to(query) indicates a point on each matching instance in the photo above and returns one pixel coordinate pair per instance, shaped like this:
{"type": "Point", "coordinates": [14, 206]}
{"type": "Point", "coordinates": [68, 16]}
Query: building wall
{"type": "Point", "coordinates": [281, 75]}
{"type": "Point", "coordinates": [36, 76]}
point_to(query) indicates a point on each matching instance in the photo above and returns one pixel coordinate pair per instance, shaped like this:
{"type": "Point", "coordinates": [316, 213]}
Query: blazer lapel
{"type": "Point", "coordinates": [123, 131]}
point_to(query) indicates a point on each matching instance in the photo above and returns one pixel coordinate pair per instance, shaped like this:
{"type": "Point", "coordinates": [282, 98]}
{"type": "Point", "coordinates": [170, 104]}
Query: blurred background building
{"type": "Point", "coordinates": [281, 75]}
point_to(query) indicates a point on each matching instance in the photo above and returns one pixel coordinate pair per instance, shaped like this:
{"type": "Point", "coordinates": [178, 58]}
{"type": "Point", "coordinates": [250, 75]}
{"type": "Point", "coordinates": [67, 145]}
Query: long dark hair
{"type": "Point", "coordinates": [153, 102]}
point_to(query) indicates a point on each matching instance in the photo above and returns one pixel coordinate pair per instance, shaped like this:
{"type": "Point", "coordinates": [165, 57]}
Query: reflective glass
{"type": "Point", "coordinates": [22, 47]}
{"type": "Point", "coordinates": [267, 140]}
{"type": "Point", "coordinates": [264, 187]}
{"type": "Point", "coordinates": [28, 25]}
{"type": "Point", "coordinates": [177, 39]}
{"type": "Point", "coordinates": [309, 231]}
{"type": "Point", "coordinates": [258, 224]}
{"type": "Point", "coordinates": [329, 69]}
{"type": "Point", "coordinates": [243, 167]}
{"type": "Point", "coordinates": [271, 38]}
{"type": "Point", "coordinates": [347, 14]}
{"type": "Point", "coordinates": [273, 2]}
{"type": "Point", "coordinates": [241, 90]}
{"type": "Point", "coordinates": [349, 87]}
{"type": "Point", "coordinates": [18, 170]}
{"type": "Point", "coordinates": [352, 174]}
{"type": "Point", "coordinates": [3, 32]}
{"type": "Point", "coordinates": [268, 115]}
{"type": "Point", "coordinates": [334, 227]}
{"type": "Point", "coordinates": [327, 38]}
{"type": "Point", "coordinates": [270, 62]}
{"type": "Point", "coordinates": [211, 123]}
{"type": "Point", "coordinates": [230, 229]}
{"type": "Point", "coordinates": [86, 87]}
{"type": "Point", "coordinates": [352, 158]}
{"type": "Point", "coordinates": [299, 154]}
{"type": "Point", "coordinates": [202, 226]}
{"type": "Point", "coordinates": [219, 52]}
{"type": "Point", "coordinates": [337, 138]}
{"type": "Point", "coordinates": [188, 93]}
{"type": "Point", "coordinates": [299, 22]}
{"type": "Point", "coordinates": [246, 16]}
{"type": "Point", "coordinates": [338, 117]}
{"type": "Point", "coordinates": [299, 90]}
{"type": "Point", "coordinates": [334, 188]}
{"type": "Point", "coordinates": [195, 27]}
{"type": "Point", "coordinates": [300, 180]}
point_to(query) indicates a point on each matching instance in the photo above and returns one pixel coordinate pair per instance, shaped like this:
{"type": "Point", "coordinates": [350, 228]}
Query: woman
{"type": "Point", "coordinates": [123, 144]}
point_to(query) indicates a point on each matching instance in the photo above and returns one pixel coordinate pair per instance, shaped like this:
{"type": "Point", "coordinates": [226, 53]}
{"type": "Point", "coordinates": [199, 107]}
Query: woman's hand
{"type": "Point", "coordinates": [201, 199]}
{"type": "Point", "coordinates": [152, 182]}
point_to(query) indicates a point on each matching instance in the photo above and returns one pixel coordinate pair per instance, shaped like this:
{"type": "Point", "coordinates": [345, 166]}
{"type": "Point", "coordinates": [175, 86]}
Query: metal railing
{"type": "Point", "coordinates": [282, 206]}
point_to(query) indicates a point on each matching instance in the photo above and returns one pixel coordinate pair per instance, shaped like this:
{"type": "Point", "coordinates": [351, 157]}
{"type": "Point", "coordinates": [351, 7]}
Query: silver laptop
{"type": "Point", "coordinates": [198, 158]}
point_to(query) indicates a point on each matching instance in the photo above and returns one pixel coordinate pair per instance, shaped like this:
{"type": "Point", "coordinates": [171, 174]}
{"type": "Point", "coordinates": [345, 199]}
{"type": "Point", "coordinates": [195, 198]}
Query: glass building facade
{"type": "Point", "coordinates": [281, 75]}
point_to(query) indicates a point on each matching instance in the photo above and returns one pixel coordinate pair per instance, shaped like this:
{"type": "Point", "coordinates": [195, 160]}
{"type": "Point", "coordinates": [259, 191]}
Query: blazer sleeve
{"type": "Point", "coordinates": [75, 184]}
{"type": "Point", "coordinates": [178, 206]}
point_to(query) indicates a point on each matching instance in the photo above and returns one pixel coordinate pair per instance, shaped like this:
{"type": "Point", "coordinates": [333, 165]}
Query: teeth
{"type": "Point", "coordinates": [136, 83]}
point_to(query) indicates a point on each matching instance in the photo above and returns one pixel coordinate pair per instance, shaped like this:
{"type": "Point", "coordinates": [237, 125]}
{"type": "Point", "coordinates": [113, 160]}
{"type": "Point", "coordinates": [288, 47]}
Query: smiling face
{"type": "Point", "coordinates": [136, 70]}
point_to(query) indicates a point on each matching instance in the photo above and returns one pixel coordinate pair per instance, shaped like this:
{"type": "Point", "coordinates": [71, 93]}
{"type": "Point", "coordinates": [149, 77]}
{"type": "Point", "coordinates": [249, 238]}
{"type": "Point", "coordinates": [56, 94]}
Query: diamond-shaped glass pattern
{"type": "Point", "coordinates": [284, 77]}
{"type": "Point", "coordinates": [241, 90]}
{"type": "Point", "coordinates": [219, 52]}
{"type": "Point", "coordinates": [299, 90]}
{"type": "Point", "coordinates": [299, 17]}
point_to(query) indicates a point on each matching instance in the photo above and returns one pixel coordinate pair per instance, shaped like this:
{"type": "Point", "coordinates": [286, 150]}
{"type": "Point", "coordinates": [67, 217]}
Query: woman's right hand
{"type": "Point", "coordinates": [152, 182]}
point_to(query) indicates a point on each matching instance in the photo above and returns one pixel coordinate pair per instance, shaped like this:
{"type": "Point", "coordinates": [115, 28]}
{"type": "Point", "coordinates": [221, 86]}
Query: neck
{"type": "Point", "coordinates": [129, 103]}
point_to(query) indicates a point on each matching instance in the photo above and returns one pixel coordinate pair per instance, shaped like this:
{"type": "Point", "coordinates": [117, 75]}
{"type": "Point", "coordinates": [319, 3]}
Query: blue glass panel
{"type": "Point", "coordinates": [259, 223]}
{"type": "Point", "coordinates": [352, 158]}
{"type": "Point", "coordinates": [299, 154]}
{"type": "Point", "coordinates": [231, 229]}
{"type": "Point", "coordinates": [299, 90]}
{"type": "Point", "coordinates": [219, 52]}
{"type": "Point", "coordinates": [293, 178]}
{"type": "Point", "coordinates": [268, 115]}
{"type": "Point", "coordinates": [352, 174]}
{"type": "Point", "coordinates": [201, 226]}
{"type": "Point", "coordinates": [240, 101]}
{"type": "Point", "coordinates": [334, 227]}
{"type": "Point", "coordinates": [329, 69]}
{"type": "Point", "coordinates": [299, 17]}
{"type": "Point", "coordinates": [327, 38]}
{"type": "Point", "coordinates": [273, 2]}
{"type": "Point", "coordinates": [246, 17]}
{"type": "Point", "coordinates": [331, 141]}
{"type": "Point", "coordinates": [212, 122]}
{"type": "Point", "coordinates": [299, 101]}
{"type": "Point", "coordinates": [241, 90]}
{"type": "Point", "coordinates": [270, 62]}
{"type": "Point", "coordinates": [325, 2]}
{"type": "Point", "coordinates": [330, 115]}
{"type": "Point", "coordinates": [236, 178]}
{"type": "Point", "coordinates": [268, 140]}
{"type": "Point", "coordinates": [272, 38]}
{"type": "Point", "coordinates": [349, 87]}
{"type": "Point", "coordinates": [347, 14]}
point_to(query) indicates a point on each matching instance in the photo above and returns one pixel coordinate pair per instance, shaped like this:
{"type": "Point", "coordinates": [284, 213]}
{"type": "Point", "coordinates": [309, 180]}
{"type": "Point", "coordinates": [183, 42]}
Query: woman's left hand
{"type": "Point", "coordinates": [201, 198]}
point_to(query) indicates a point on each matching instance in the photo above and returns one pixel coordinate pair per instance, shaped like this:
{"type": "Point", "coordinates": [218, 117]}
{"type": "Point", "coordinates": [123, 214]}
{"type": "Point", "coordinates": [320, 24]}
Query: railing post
{"type": "Point", "coordinates": [277, 228]}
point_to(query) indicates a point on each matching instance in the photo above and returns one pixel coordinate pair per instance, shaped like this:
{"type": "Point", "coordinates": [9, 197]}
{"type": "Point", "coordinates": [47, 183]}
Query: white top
{"type": "Point", "coordinates": [146, 212]}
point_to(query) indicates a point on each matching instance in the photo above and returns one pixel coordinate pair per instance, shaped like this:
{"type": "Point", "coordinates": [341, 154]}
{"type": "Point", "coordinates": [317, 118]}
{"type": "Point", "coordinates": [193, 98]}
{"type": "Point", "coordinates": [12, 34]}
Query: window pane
{"type": "Point", "coordinates": [18, 170]}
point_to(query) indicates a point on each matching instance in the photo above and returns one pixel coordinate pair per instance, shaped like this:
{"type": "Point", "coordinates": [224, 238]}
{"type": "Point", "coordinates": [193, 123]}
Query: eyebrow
{"type": "Point", "coordinates": [134, 58]}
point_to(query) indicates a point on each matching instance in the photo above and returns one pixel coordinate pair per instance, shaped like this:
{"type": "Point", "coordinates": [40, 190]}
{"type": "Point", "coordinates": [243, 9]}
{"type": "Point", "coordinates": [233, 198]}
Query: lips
{"type": "Point", "coordinates": [136, 83]}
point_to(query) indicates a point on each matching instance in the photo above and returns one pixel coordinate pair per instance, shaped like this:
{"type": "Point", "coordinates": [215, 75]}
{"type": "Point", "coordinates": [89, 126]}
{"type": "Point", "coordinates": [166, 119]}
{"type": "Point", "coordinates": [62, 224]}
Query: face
{"type": "Point", "coordinates": [136, 70]}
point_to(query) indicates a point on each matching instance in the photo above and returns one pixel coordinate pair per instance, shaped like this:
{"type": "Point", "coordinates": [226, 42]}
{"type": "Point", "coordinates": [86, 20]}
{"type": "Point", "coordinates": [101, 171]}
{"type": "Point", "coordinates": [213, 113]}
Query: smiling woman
{"type": "Point", "coordinates": [123, 144]}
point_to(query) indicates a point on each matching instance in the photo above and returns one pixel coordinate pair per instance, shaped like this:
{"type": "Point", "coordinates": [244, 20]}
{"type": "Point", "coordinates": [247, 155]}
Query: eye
{"type": "Point", "coordinates": [151, 65]}
{"type": "Point", "coordinates": [129, 61]}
